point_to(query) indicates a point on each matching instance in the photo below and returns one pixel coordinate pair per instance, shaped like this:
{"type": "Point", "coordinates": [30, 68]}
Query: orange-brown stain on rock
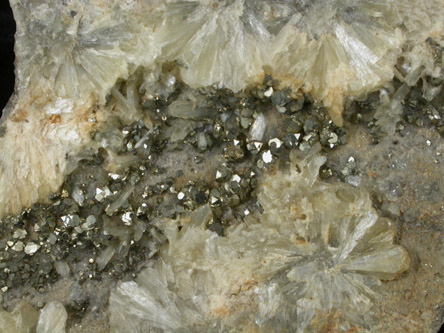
{"type": "Point", "coordinates": [55, 119]}
{"type": "Point", "coordinates": [19, 116]}
{"type": "Point", "coordinates": [220, 311]}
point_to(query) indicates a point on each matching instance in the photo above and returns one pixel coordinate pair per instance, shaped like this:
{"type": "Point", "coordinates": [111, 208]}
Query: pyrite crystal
{"type": "Point", "coordinates": [316, 248]}
{"type": "Point", "coordinates": [223, 166]}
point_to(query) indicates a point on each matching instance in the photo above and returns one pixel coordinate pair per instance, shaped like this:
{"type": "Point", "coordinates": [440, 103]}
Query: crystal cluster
{"type": "Point", "coordinates": [332, 50]}
{"type": "Point", "coordinates": [71, 55]}
{"type": "Point", "coordinates": [107, 217]}
{"type": "Point", "coordinates": [74, 49]}
{"type": "Point", "coordinates": [25, 319]}
{"type": "Point", "coordinates": [157, 145]}
{"type": "Point", "coordinates": [317, 250]}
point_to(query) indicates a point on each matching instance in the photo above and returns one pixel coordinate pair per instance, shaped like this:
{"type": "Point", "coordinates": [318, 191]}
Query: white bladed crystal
{"type": "Point", "coordinates": [52, 318]}
{"type": "Point", "coordinates": [317, 249]}
{"type": "Point", "coordinates": [78, 61]}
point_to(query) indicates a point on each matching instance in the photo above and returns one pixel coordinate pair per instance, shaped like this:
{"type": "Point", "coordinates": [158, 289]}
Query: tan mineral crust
{"type": "Point", "coordinates": [361, 255]}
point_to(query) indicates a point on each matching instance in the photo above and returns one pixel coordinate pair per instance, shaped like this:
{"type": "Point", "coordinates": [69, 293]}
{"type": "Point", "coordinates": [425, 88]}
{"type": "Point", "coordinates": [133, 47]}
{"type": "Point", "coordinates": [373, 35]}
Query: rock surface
{"type": "Point", "coordinates": [199, 166]}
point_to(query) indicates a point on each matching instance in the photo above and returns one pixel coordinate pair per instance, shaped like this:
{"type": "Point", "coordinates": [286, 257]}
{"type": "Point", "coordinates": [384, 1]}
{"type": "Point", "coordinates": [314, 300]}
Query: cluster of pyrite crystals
{"type": "Point", "coordinates": [210, 188]}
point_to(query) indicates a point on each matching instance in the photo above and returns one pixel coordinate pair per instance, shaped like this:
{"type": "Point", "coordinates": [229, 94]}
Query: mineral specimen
{"type": "Point", "coordinates": [161, 162]}
{"type": "Point", "coordinates": [318, 250]}
{"type": "Point", "coordinates": [70, 55]}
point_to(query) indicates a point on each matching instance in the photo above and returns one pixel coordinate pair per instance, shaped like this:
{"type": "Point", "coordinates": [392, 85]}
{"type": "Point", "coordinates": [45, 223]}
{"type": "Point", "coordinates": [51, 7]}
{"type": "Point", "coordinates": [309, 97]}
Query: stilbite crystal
{"type": "Point", "coordinates": [23, 319]}
{"type": "Point", "coordinates": [183, 117]}
{"type": "Point", "coordinates": [70, 56]}
{"type": "Point", "coordinates": [52, 319]}
{"type": "Point", "coordinates": [317, 249]}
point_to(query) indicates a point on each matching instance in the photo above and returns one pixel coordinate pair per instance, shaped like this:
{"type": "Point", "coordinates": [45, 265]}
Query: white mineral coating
{"type": "Point", "coordinates": [52, 318]}
{"type": "Point", "coordinates": [318, 249]}
{"type": "Point", "coordinates": [72, 55]}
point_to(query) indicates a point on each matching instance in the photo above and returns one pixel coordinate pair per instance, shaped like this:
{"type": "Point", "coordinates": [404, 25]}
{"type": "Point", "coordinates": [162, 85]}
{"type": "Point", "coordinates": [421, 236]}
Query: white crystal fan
{"type": "Point", "coordinates": [337, 49]}
{"type": "Point", "coordinates": [214, 42]}
{"type": "Point", "coordinates": [318, 251]}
